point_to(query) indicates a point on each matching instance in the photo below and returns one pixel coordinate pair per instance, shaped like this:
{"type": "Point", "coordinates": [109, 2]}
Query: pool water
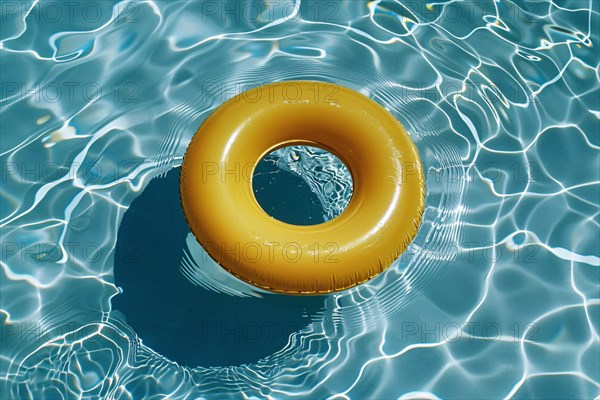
{"type": "Point", "coordinates": [105, 293]}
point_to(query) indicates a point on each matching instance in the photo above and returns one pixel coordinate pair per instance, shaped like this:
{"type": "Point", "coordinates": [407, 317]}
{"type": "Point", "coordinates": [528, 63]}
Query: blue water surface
{"type": "Point", "coordinates": [105, 294]}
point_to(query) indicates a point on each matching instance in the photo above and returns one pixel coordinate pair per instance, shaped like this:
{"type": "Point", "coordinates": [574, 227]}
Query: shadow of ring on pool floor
{"type": "Point", "coordinates": [186, 323]}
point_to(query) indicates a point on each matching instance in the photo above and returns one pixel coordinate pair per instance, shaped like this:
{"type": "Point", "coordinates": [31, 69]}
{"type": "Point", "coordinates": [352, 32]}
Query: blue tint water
{"type": "Point", "coordinates": [104, 294]}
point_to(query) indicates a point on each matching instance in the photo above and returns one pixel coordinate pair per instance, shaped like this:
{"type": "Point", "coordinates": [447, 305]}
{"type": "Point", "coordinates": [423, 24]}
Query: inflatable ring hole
{"type": "Point", "coordinates": [302, 185]}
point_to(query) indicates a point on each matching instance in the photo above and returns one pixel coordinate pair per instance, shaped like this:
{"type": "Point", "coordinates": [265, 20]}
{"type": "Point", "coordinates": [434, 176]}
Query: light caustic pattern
{"type": "Point", "coordinates": [498, 295]}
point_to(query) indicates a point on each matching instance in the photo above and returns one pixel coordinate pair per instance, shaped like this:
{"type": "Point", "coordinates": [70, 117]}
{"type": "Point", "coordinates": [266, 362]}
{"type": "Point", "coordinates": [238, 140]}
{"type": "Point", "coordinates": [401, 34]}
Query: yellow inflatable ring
{"type": "Point", "coordinates": [379, 222]}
